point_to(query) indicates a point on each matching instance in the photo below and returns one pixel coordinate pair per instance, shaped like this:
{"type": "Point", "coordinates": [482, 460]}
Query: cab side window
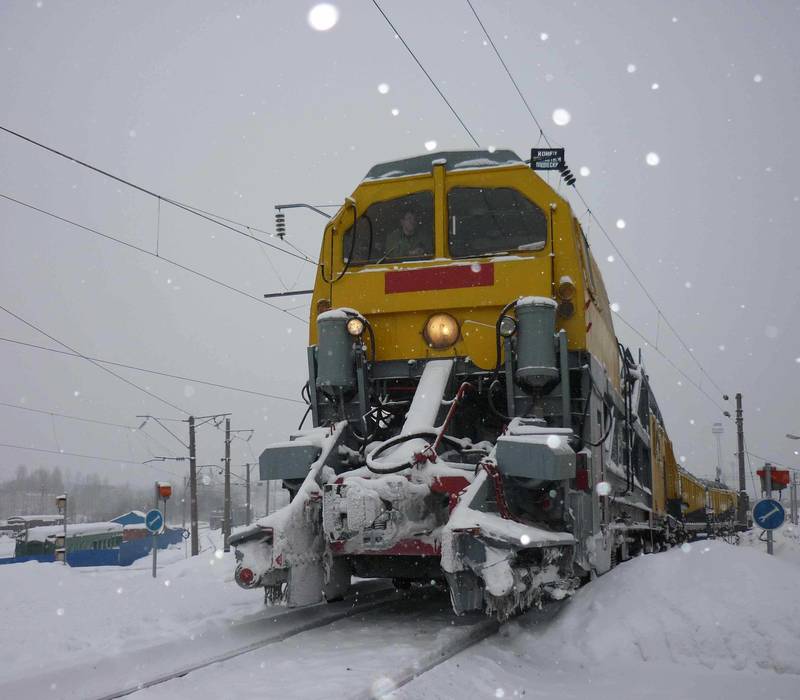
{"type": "Point", "coordinates": [391, 231]}
{"type": "Point", "coordinates": [482, 221]}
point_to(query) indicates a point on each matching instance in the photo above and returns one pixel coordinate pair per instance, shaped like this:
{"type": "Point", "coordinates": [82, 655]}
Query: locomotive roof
{"type": "Point", "coordinates": [453, 160]}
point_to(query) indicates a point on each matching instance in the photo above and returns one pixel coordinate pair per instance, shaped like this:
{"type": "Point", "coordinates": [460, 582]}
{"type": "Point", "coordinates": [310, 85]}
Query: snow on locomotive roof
{"type": "Point", "coordinates": [453, 160]}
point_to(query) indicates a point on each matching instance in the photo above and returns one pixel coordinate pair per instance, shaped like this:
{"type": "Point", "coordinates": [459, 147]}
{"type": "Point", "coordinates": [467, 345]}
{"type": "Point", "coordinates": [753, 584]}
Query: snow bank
{"type": "Point", "coordinates": [708, 603]}
{"type": "Point", "coordinates": [713, 621]}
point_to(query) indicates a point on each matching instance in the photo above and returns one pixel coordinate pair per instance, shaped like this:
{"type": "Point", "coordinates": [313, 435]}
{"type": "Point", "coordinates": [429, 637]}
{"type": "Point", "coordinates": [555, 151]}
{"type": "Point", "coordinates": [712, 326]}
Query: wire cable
{"type": "Point", "coordinates": [156, 372]}
{"type": "Point", "coordinates": [84, 456]}
{"type": "Point", "coordinates": [174, 202]}
{"type": "Point", "coordinates": [589, 209]}
{"type": "Point", "coordinates": [139, 249]}
{"type": "Point", "coordinates": [65, 415]}
{"type": "Point", "coordinates": [96, 364]}
{"type": "Point", "coordinates": [427, 75]}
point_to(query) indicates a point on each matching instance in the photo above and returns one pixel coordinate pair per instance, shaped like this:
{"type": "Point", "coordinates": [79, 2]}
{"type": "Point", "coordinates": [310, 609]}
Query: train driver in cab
{"type": "Point", "coordinates": [408, 240]}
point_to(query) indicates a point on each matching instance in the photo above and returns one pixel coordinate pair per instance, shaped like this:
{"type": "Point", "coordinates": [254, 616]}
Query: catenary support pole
{"type": "Point", "coordinates": [743, 505]}
{"type": "Point", "coordinates": [155, 536]}
{"type": "Point", "coordinates": [247, 494]}
{"type": "Point", "coordinates": [768, 484]}
{"type": "Point", "coordinates": [226, 520]}
{"type": "Point", "coordinates": [193, 489]}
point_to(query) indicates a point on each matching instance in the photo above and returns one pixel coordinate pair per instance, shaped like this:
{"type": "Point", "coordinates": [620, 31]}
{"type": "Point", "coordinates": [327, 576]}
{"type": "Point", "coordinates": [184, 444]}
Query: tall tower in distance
{"type": "Point", "coordinates": [717, 431]}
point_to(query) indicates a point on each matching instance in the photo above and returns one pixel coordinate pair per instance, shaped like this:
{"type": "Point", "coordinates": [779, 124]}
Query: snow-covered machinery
{"type": "Point", "coordinates": [475, 420]}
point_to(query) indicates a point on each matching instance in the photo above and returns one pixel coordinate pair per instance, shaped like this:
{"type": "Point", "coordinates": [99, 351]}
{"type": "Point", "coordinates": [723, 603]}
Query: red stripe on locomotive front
{"type": "Point", "coordinates": [430, 278]}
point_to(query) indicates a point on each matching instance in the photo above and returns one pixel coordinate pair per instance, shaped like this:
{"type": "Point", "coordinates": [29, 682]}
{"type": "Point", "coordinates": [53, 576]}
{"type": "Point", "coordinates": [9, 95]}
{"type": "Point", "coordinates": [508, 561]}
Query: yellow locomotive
{"type": "Point", "coordinates": [474, 418]}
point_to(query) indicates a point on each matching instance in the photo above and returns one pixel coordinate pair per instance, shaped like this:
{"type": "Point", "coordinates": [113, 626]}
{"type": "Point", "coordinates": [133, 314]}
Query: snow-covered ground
{"type": "Point", "coordinates": [710, 620]}
{"type": "Point", "coordinates": [706, 621]}
{"type": "Point", "coordinates": [54, 615]}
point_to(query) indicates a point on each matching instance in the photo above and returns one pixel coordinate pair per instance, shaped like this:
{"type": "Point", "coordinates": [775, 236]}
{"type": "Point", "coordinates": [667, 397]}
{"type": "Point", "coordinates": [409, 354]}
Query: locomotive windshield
{"type": "Point", "coordinates": [392, 230]}
{"type": "Point", "coordinates": [493, 220]}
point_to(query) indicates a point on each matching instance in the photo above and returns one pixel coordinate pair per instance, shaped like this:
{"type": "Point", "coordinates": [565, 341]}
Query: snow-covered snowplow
{"type": "Point", "coordinates": [475, 421]}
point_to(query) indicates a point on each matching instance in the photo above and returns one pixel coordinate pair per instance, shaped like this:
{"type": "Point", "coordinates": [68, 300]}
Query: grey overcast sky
{"type": "Point", "coordinates": [235, 106]}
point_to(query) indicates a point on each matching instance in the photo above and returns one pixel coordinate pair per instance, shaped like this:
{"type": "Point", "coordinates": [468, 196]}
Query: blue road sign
{"type": "Point", "coordinates": [154, 520]}
{"type": "Point", "coordinates": [768, 514]}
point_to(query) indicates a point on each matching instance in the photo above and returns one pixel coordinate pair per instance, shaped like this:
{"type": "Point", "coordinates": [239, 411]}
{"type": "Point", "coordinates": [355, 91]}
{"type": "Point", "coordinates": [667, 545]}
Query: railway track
{"type": "Point", "coordinates": [366, 656]}
{"type": "Point", "coordinates": [358, 649]}
{"type": "Point", "coordinates": [123, 675]}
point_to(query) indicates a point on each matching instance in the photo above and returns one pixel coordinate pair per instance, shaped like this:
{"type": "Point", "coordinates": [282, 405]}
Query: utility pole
{"type": "Point", "coordinates": [793, 498]}
{"type": "Point", "coordinates": [768, 485]}
{"type": "Point", "coordinates": [743, 500]}
{"type": "Point", "coordinates": [226, 520]}
{"type": "Point", "coordinates": [247, 496]}
{"type": "Point", "coordinates": [193, 489]}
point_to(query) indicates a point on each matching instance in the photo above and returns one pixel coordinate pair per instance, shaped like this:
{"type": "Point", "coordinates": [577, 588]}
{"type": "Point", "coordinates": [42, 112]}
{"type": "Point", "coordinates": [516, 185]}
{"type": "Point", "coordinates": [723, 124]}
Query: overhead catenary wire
{"type": "Point", "coordinates": [427, 75]}
{"type": "Point", "coordinates": [145, 251]}
{"type": "Point", "coordinates": [591, 212]}
{"type": "Point", "coordinates": [20, 407]}
{"type": "Point", "coordinates": [153, 371]}
{"type": "Point", "coordinates": [151, 394]}
{"type": "Point", "coordinates": [162, 198]}
{"type": "Point", "coordinates": [84, 456]}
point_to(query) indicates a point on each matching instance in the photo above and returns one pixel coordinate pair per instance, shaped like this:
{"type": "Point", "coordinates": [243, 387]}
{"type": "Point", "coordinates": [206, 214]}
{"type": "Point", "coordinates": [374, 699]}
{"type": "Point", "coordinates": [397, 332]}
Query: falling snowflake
{"type": "Point", "coordinates": [561, 117]}
{"type": "Point", "coordinates": [524, 539]}
{"type": "Point", "coordinates": [652, 158]}
{"type": "Point", "coordinates": [499, 693]}
{"type": "Point", "coordinates": [631, 68]}
{"type": "Point", "coordinates": [620, 223]}
{"type": "Point", "coordinates": [323, 17]}
{"type": "Point", "coordinates": [584, 171]}
{"type": "Point", "coordinates": [688, 285]}
{"type": "Point", "coordinates": [610, 258]}
{"type": "Point", "coordinates": [475, 267]}
{"type": "Point", "coordinates": [691, 421]}
{"type": "Point", "coordinates": [430, 145]}
{"type": "Point", "coordinates": [132, 133]}
{"type": "Point", "coordinates": [553, 442]}
{"type": "Point", "coordinates": [771, 332]}
{"type": "Point", "coordinates": [383, 88]}
{"type": "Point", "coordinates": [395, 111]}
{"type": "Point", "coordinates": [654, 86]}
{"type": "Point", "coordinates": [382, 687]}
{"type": "Point", "coordinates": [188, 391]}
{"type": "Point", "coordinates": [757, 78]}
{"type": "Point", "coordinates": [219, 554]}
{"type": "Point", "coordinates": [60, 612]}
{"type": "Point", "coordinates": [721, 348]}
{"type": "Point", "coordinates": [603, 488]}
{"type": "Point", "coordinates": [544, 36]}
{"type": "Point", "coordinates": [686, 548]}
{"type": "Point", "coordinates": [615, 307]}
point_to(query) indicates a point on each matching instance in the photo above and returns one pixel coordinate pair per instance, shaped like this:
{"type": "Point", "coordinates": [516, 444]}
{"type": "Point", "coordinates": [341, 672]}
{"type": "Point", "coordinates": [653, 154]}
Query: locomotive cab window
{"type": "Point", "coordinates": [483, 221]}
{"type": "Point", "coordinates": [392, 231]}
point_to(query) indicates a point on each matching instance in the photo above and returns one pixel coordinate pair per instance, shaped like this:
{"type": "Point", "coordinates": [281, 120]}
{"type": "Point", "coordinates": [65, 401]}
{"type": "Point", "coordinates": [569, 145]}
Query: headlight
{"type": "Point", "coordinates": [508, 326]}
{"type": "Point", "coordinates": [566, 288]}
{"type": "Point", "coordinates": [441, 331]}
{"type": "Point", "coordinates": [355, 326]}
